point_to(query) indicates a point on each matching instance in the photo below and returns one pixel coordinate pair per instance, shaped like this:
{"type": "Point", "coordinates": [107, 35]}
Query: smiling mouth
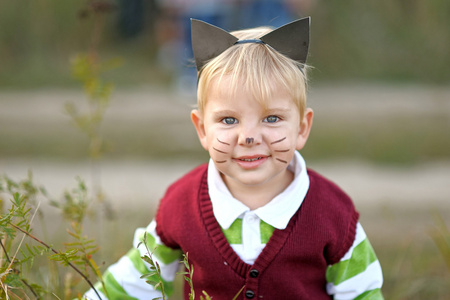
{"type": "Point", "coordinates": [251, 162]}
{"type": "Point", "coordinates": [250, 159]}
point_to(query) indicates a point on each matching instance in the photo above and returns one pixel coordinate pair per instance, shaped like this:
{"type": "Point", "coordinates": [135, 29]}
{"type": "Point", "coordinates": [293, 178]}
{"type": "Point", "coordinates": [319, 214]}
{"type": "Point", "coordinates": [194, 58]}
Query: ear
{"type": "Point", "coordinates": [208, 41]}
{"type": "Point", "coordinates": [197, 120]}
{"type": "Point", "coordinates": [291, 39]}
{"type": "Point", "coordinates": [305, 128]}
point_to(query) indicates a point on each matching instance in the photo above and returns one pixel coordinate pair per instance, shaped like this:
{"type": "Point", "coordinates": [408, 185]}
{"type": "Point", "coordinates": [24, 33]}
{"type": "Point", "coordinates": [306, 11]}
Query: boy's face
{"type": "Point", "coordinates": [249, 144]}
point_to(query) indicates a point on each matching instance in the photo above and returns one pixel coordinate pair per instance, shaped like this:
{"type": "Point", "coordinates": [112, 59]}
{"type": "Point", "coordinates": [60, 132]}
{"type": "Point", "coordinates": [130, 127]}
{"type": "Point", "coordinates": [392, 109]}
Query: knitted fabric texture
{"type": "Point", "coordinates": [293, 263]}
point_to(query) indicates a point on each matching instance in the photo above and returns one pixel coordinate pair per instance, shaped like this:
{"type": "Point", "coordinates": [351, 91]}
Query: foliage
{"type": "Point", "coordinates": [15, 257]}
{"type": "Point", "coordinates": [188, 276]}
{"type": "Point", "coordinates": [441, 237]}
{"type": "Point", "coordinates": [20, 255]}
{"type": "Point", "coordinates": [88, 70]}
{"type": "Point", "coordinates": [155, 271]}
{"type": "Point", "coordinates": [78, 253]}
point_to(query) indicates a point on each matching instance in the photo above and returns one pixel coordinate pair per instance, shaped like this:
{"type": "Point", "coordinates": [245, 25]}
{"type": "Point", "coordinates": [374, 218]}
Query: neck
{"type": "Point", "coordinates": [256, 196]}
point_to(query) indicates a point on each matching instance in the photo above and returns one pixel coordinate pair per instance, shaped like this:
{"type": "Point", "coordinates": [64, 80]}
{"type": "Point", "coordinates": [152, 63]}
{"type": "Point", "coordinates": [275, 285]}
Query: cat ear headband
{"type": "Point", "coordinates": [209, 41]}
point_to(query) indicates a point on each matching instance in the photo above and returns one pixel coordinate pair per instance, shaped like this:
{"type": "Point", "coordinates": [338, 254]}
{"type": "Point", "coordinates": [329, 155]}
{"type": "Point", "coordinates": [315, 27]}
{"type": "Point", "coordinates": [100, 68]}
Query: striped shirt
{"type": "Point", "coordinates": [357, 276]}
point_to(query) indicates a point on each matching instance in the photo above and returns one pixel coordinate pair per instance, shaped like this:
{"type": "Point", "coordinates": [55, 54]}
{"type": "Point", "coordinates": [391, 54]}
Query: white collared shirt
{"type": "Point", "coordinates": [276, 213]}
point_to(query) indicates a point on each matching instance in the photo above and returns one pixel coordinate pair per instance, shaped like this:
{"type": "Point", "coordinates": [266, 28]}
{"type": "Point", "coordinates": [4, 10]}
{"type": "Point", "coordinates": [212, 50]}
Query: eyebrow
{"type": "Point", "coordinates": [276, 110]}
{"type": "Point", "coordinates": [222, 113]}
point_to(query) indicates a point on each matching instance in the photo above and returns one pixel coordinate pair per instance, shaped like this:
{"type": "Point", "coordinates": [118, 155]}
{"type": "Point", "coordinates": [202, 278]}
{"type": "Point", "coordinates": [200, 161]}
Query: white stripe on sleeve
{"type": "Point", "coordinates": [129, 278]}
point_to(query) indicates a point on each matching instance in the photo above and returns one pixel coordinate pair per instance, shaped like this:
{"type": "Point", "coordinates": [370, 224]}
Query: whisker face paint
{"type": "Point", "coordinates": [283, 161]}
{"type": "Point", "coordinates": [280, 140]}
{"type": "Point", "coordinates": [223, 142]}
{"type": "Point", "coordinates": [282, 150]}
{"type": "Point", "coordinates": [220, 151]}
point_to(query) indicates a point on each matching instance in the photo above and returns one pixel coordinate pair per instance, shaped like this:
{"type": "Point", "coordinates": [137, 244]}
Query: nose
{"type": "Point", "coordinates": [249, 136]}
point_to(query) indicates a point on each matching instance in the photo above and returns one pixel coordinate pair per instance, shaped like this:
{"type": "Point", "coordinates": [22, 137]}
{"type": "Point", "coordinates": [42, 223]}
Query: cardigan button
{"type": "Point", "coordinates": [249, 294]}
{"type": "Point", "coordinates": [254, 273]}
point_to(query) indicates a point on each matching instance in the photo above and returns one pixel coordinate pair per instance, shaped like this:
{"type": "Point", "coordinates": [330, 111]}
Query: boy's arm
{"type": "Point", "coordinates": [358, 274]}
{"type": "Point", "coordinates": [122, 279]}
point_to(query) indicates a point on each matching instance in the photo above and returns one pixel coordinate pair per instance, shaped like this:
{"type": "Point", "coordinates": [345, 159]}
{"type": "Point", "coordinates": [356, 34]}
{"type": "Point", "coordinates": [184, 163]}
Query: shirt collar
{"type": "Point", "coordinates": [276, 213]}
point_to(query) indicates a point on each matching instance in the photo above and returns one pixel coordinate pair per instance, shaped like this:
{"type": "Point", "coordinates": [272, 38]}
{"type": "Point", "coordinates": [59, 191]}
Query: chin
{"type": "Point", "coordinates": [251, 180]}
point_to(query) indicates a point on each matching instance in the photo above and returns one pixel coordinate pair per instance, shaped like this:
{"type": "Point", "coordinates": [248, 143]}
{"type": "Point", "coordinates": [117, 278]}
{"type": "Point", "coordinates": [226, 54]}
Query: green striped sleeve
{"type": "Point", "coordinates": [115, 290]}
{"type": "Point", "coordinates": [362, 256]}
{"type": "Point", "coordinates": [138, 263]}
{"type": "Point", "coordinates": [371, 295]}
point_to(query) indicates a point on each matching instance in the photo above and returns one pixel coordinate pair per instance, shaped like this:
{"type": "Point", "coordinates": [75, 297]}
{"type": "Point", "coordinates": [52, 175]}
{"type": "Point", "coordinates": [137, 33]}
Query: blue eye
{"type": "Point", "coordinates": [229, 120]}
{"type": "Point", "coordinates": [271, 119]}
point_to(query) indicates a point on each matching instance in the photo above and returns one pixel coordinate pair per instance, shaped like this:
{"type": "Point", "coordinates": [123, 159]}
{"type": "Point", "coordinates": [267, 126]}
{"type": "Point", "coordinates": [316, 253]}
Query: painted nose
{"type": "Point", "coordinates": [249, 137]}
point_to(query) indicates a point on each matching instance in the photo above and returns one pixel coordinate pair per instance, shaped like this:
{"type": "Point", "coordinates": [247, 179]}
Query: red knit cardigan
{"type": "Point", "coordinates": [293, 263]}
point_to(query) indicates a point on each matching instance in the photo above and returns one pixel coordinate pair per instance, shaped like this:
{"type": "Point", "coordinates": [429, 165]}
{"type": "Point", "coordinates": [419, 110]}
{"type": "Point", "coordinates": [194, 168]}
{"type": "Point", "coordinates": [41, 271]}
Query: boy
{"type": "Point", "coordinates": [254, 221]}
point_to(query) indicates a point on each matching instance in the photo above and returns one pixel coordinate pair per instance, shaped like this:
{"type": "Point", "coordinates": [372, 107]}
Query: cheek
{"type": "Point", "coordinates": [220, 138]}
{"type": "Point", "coordinates": [283, 151]}
{"type": "Point", "coordinates": [281, 138]}
{"type": "Point", "coordinates": [283, 142]}
{"type": "Point", "coordinates": [219, 145]}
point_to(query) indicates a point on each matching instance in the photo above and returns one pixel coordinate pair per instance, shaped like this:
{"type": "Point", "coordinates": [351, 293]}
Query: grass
{"type": "Point", "coordinates": [383, 40]}
{"type": "Point", "coordinates": [401, 140]}
{"type": "Point", "coordinates": [413, 267]}
{"type": "Point", "coordinates": [402, 236]}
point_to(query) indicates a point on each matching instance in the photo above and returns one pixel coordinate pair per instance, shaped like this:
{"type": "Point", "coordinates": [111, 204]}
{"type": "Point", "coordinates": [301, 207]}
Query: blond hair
{"type": "Point", "coordinates": [256, 66]}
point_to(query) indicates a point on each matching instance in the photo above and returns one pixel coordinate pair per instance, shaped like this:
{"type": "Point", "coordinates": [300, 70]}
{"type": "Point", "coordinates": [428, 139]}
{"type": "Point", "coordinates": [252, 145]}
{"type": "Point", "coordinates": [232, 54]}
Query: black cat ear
{"type": "Point", "coordinates": [291, 39]}
{"type": "Point", "coordinates": [208, 41]}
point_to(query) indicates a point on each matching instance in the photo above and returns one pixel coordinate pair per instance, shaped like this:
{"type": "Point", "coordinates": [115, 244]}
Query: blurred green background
{"type": "Point", "coordinates": [401, 41]}
{"type": "Point", "coordinates": [379, 88]}
{"type": "Point", "coordinates": [391, 43]}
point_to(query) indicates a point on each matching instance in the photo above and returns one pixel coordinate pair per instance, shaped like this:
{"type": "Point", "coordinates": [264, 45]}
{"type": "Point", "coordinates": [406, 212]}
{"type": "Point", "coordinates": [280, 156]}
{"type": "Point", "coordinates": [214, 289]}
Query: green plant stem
{"type": "Point", "coordinates": [155, 266]}
{"type": "Point", "coordinates": [15, 270]}
{"type": "Point", "coordinates": [4, 250]}
{"type": "Point", "coordinates": [56, 252]}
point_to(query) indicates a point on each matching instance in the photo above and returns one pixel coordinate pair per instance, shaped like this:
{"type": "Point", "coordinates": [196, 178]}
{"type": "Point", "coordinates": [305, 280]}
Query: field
{"type": "Point", "coordinates": [387, 146]}
{"type": "Point", "coordinates": [381, 129]}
